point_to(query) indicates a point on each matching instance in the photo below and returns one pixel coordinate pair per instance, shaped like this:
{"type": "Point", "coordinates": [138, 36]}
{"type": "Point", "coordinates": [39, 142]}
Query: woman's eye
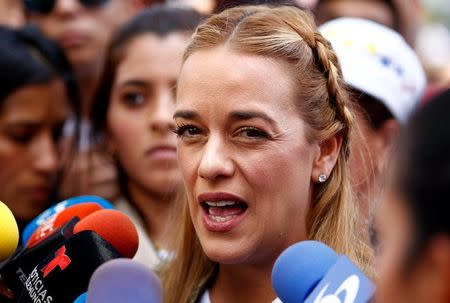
{"type": "Point", "coordinates": [253, 132]}
{"type": "Point", "coordinates": [21, 137]}
{"type": "Point", "coordinates": [187, 131]}
{"type": "Point", "coordinates": [133, 98]}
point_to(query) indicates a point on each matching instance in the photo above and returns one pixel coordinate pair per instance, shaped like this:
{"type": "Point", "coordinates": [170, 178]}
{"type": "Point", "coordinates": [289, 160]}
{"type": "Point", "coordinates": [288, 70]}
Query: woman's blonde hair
{"type": "Point", "coordinates": [287, 34]}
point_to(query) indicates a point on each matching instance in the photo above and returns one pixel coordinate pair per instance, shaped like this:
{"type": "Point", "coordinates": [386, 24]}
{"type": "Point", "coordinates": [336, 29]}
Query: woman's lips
{"type": "Point", "coordinates": [72, 39]}
{"type": "Point", "coordinates": [222, 211]}
{"type": "Point", "coordinates": [40, 193]}
{"type": "Point", "coordinates": [163, 153]}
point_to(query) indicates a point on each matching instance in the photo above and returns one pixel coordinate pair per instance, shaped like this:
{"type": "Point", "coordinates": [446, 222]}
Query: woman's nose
{"type": "Point", "coordinates": [161, 116]}
{"type": "Point", "coordinates": [45, 155]}
{"type": "Point", "coordinates": [215, 162]}
{"type": "Point", "coordinates": [66, 7]}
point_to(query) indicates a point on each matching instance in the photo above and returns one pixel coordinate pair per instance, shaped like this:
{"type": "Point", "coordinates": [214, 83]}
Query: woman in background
{"type": "Point", "coordinates": [12, 13]}
{"type": "Point", "coordinates": [37, 95]}
{"type": "Point", "coordinates": [133, 115]}
{"type": "Point", "coordinates": [263, 124]}
{"type": "Point", "coordinates": [412, 223]}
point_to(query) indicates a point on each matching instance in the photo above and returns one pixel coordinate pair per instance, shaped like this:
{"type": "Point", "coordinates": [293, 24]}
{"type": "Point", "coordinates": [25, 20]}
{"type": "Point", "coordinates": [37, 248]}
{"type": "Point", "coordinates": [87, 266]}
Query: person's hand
{"type": "Point", "coordinates": [91, 173]}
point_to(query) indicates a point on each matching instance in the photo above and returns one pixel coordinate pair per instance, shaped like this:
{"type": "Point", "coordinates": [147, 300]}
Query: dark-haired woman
{"type": "Point", "coordinates": [37, 95]}
{"type": "Point", "coordinates": [133, 113]}
{"type": "Point", "coordinates": [412, 223]}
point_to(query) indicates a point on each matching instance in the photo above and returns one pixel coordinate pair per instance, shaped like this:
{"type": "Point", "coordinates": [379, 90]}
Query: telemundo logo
{"type": "Point", "coordinates": [349, 287]}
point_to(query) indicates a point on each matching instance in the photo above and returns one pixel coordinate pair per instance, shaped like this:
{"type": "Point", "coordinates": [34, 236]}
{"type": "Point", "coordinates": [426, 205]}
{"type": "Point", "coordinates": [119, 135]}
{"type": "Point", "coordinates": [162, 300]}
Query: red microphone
{"type": "Point", "coordinates": [101, 231]}
{"type": "Point", "coordinates": [65, 272]}
{"type": "Point", "coordinates": [113, 226]}
{"type": "Point", "coordinates": [54, 222]}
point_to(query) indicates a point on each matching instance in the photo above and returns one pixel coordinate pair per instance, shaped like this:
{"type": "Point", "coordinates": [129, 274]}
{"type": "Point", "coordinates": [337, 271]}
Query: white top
{"type": "Point", "coordinates": [205, 297]}
{"type": "Point", "coordinates": [147, 252]}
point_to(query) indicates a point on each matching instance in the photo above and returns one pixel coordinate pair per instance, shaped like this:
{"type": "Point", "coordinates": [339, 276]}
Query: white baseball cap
{"type": "Point", "coordinates": [376, 60]}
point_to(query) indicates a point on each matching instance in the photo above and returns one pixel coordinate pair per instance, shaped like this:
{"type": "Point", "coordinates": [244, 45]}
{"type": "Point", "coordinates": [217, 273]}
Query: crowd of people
{"type": "Point", "coordinates": [231, 130]}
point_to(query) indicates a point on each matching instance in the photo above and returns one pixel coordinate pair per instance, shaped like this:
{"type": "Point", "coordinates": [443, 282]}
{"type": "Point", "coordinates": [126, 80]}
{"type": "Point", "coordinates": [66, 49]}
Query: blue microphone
{"type": "Point", "coordinates": [81, 298]}
{"type": "Point", "coordinates": [311, 272]}
{"type": "Point", "coordinates": [124, 280]}
{"type": "Point", "coordinates": [47, 214]}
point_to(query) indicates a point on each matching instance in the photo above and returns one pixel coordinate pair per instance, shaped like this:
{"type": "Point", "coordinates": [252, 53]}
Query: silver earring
{"type": "Point", "coordinates": [322, 178]}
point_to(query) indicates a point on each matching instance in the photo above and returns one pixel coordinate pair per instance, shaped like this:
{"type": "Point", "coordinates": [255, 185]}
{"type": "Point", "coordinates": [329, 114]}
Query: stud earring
{"type": "Point", "coordinates": [322, 178]}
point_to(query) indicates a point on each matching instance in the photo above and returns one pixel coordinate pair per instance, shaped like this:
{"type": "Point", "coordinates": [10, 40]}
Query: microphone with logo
{"type": "Point", "coordinates": [64, 274]}
{"type": "Point", "coordinates": [58, 220]}
{"type": "Point", "coordinates": [124, 280]}
{"type": "Point", "coordinates": [46, 218]}
{"type": "Point", "coordinates": [42, 242]}
{"type": "Point", "coordinates": [312, 272]}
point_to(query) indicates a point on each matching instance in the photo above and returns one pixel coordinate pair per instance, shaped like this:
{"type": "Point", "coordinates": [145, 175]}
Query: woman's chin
{"type": "Point", "coordinates": [228, 254]}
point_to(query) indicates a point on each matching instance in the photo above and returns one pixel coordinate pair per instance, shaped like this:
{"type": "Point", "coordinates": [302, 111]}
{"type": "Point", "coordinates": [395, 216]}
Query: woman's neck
{"type": "Point", "coordinates": [156, 212]}
{"type": "Point", "coordinates": [242, 283]}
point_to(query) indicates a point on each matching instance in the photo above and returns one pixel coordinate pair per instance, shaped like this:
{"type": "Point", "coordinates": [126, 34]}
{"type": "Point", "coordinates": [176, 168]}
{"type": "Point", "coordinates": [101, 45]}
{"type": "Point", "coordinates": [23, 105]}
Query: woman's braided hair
{"type": "Point", "coordinates": [288, 35]}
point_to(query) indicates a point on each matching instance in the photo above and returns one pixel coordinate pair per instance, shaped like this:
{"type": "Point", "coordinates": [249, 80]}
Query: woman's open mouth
{"type": "Point", "coordinates": [222, 211]}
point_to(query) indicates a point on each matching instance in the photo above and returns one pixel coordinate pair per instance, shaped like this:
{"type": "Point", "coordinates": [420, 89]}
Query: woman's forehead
{"type": "Point", "coordinates": [227, 74]}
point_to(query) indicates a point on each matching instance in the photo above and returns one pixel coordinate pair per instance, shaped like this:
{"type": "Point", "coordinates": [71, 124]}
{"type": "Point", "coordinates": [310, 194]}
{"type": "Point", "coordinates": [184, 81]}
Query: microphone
{"type": "Point", "coordinates": [115, 227]}
{"type": "Point", "coordinates": [9, 232]}
{"type": "Point", "coordinates": [124, 280]}
{"type": "Point", "coordinates": [65, 273]}
{"type": "Point", "coordinates": [62, 276]}
{"type": "Point", "coordinates": [16, 270]}
{"type": "Point", "coordinates": [81, 298]}
{"type": "Point", "coordinates": [111, 225]}
{"type": "Point", "coordinates": [51, 224]}
{"type": "Point", "coordinates": [311, 272]}
{"type": "Point", "coordinates": [47, 214]}
{"type": "Point", "coordinates": [46, 237]}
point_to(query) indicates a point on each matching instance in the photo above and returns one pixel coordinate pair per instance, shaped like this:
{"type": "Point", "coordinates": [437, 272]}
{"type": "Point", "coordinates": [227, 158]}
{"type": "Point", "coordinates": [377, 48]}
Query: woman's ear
{"type": "Point", "coordinates": [325, 160]}
{"type": "Point", "coordinates": [385, 138]}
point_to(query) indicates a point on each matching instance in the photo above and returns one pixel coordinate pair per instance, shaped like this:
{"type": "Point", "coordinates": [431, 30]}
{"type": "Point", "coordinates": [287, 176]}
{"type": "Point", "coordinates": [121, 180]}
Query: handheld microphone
{"type": "Point", "coordinates": [51, 224]}
{"type": "Point", "coordinates": [312, 272]}
{"type": "Point", "coordinates": [9, 232]}
{"type": "Point", "coordinates": [81, 298]}
{"type": "Point", "coordinates": [47, 214]}
{"type": "Point", "coordinates": [48, 235]}
{"type": "Point", "coordinates": [111, 225]}
{"type": "Point", "coordinates": [124, 280]}
{"type": "Point", "coordinates": [65, 273]}
{"type": "Point", "coordinates": [16, 270]}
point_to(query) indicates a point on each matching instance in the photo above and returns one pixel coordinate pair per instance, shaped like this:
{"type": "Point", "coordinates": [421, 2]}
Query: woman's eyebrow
{"type": "Point", "coordinates": [133, 82]}
{"type": "Point", "coordinates": [246, 115]}
{"type": "Point", "coordinates": [186, 114]}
